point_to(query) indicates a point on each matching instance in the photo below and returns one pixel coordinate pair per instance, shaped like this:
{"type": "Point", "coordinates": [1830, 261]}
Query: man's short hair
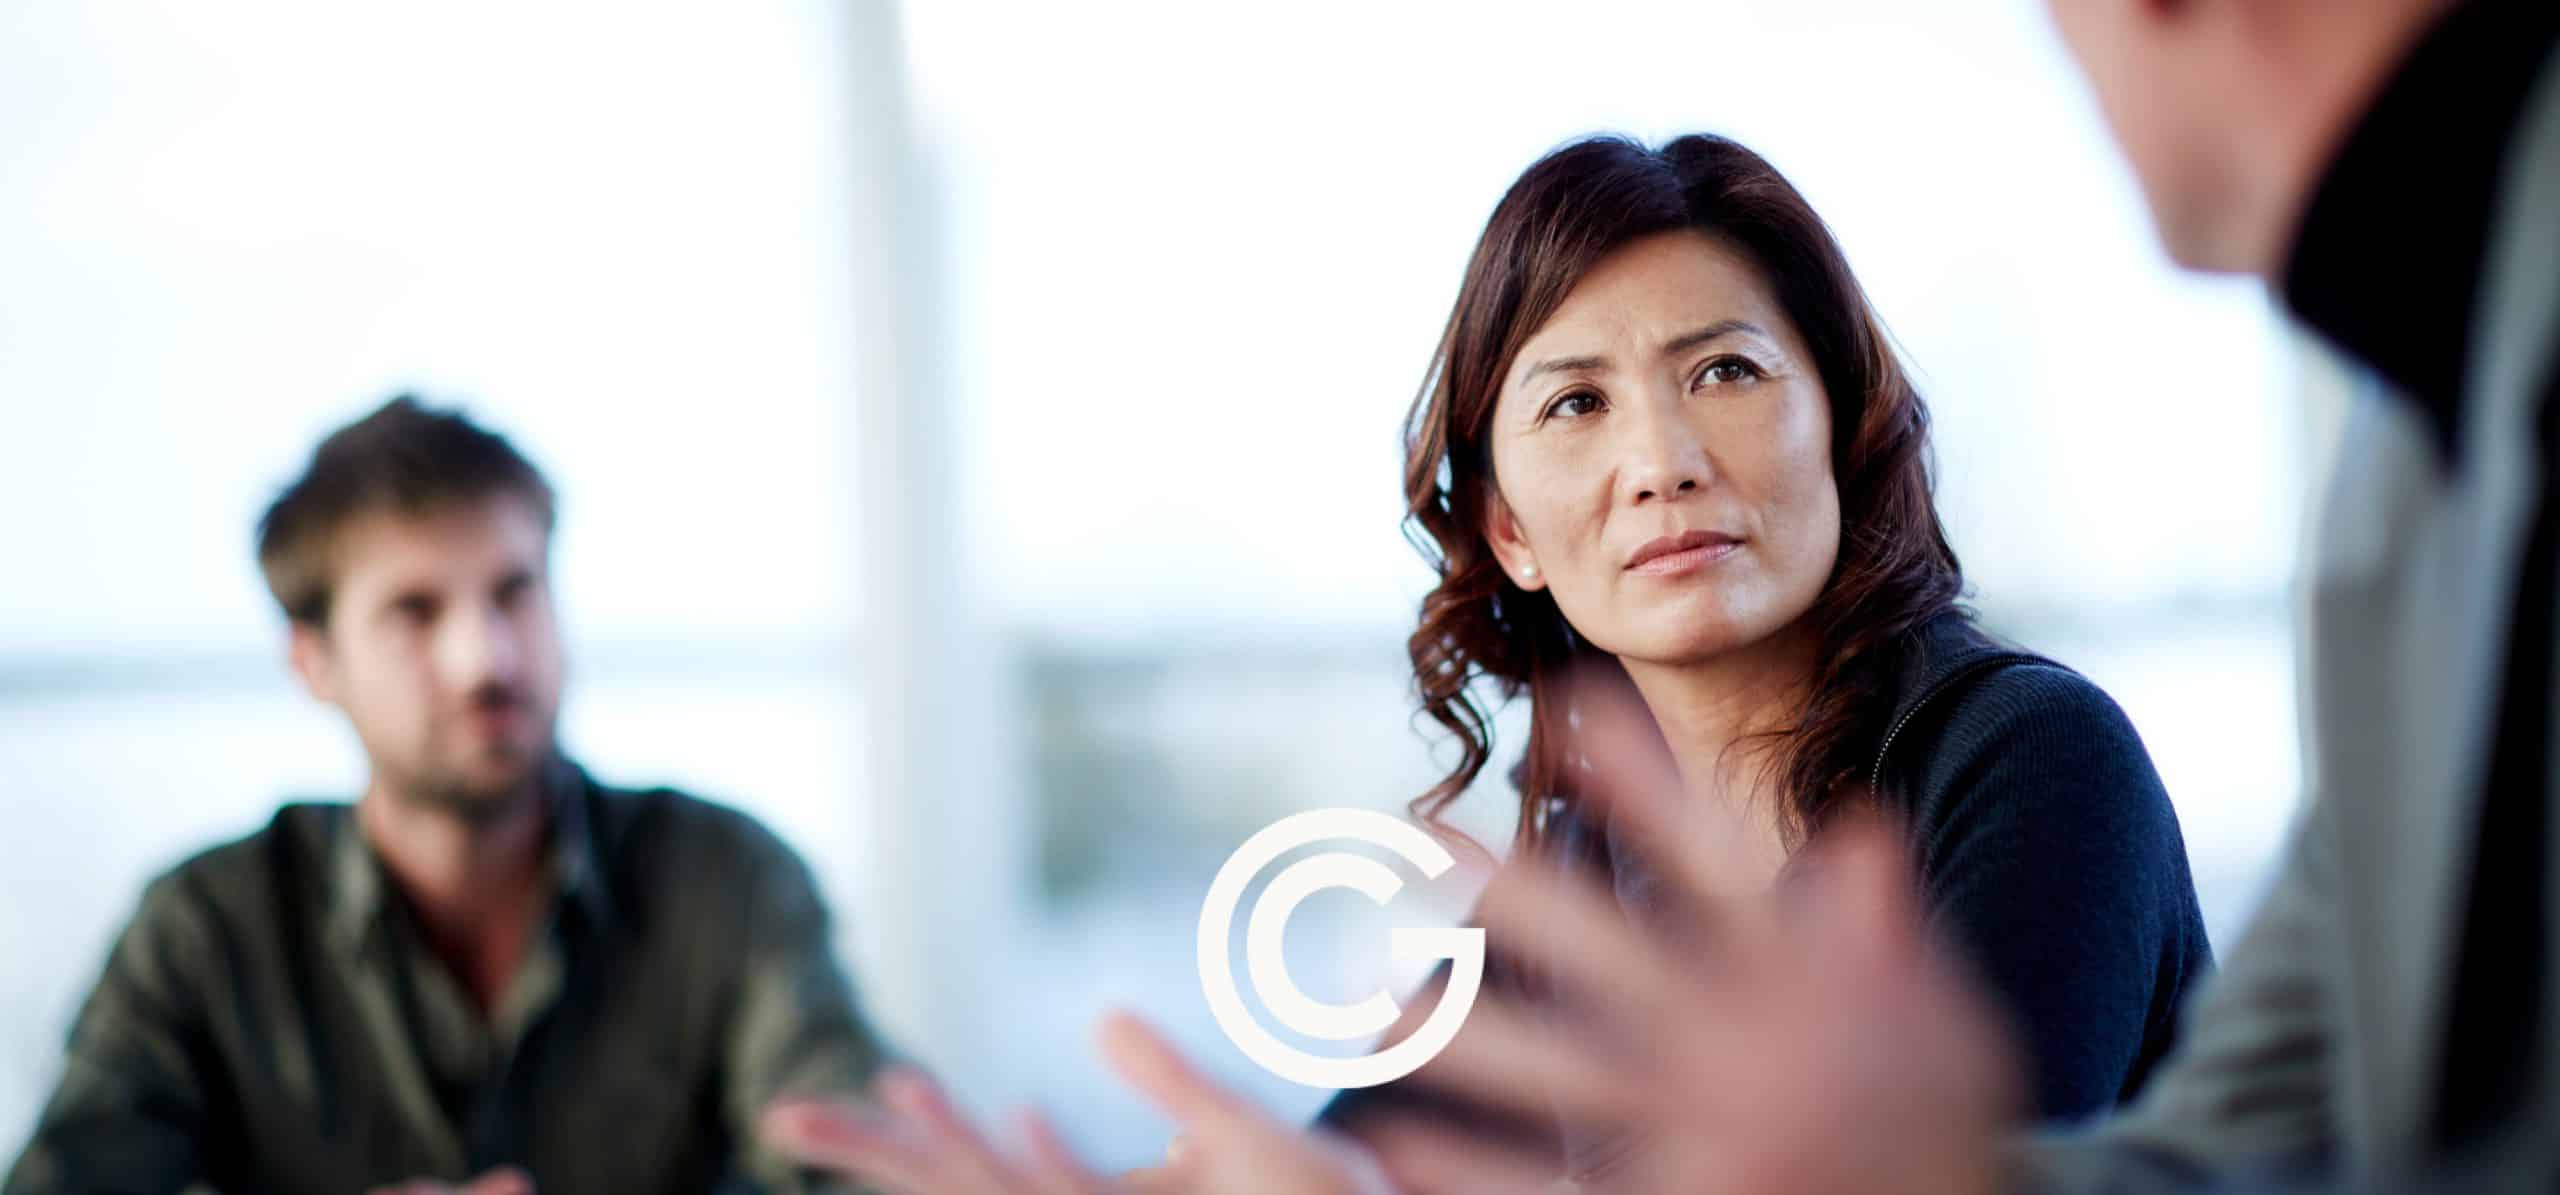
{"type": "Point", "coordinates": [405, 457]}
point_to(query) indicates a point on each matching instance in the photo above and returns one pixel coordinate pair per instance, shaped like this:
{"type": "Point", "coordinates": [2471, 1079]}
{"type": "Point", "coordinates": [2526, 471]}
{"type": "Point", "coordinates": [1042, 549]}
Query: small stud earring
{"type": "Point", "coordinates": [1528, 570]}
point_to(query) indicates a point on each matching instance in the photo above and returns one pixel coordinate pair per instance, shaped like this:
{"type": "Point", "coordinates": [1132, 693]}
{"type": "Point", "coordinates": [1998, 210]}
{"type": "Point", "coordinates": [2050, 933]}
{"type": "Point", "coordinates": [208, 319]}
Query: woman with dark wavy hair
{"type": "Point", "coordinates": [1665, 439]}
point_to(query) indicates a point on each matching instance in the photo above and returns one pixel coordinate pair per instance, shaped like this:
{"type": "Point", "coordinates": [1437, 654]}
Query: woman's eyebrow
{"type": "Point", "coordinates": [1721, 328]}
{"type": "Point", "coordinates": [1563, 365]}
{"type": "Point", "coordinates": [1677, 345]}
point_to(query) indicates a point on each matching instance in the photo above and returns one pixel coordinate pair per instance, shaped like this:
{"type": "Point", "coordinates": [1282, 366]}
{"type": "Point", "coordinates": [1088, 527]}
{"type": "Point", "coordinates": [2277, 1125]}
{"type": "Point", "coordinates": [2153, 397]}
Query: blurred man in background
{"type": "Point", "coordinates": [491, 969]}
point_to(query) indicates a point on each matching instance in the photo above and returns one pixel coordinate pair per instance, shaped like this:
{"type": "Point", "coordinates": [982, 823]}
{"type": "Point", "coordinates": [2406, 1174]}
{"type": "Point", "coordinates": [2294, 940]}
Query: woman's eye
{"type": "Point", "coordinates": [1726, 371]}
{"type": "Point", "coordinates": [1578, 403]}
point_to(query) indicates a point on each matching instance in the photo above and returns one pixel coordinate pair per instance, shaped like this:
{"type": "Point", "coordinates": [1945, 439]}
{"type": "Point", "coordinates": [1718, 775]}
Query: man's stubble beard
{"type": "Point", "coordinates": [478, 803]}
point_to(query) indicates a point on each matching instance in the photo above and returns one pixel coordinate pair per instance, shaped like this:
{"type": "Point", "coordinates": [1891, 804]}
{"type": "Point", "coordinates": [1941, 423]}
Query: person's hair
{"type": "Point", "coordinates": [405, 457]}
{"type": "Point", "coordinates": [1895, 569]}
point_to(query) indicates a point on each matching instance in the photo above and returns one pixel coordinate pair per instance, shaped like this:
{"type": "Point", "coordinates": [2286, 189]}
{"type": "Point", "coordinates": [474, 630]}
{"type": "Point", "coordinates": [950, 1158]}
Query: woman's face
{"type": "Point", "coordinates": [1662, 457]}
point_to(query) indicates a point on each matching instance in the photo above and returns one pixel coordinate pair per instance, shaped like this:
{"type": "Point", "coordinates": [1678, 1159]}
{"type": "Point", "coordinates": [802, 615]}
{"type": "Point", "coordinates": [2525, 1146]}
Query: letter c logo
{"type": "Point", "coordinates": [1464, 948]}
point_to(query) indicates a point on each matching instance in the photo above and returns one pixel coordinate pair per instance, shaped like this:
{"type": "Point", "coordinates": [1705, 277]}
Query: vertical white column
{"type": "Point", "coordinates": [944, 816]}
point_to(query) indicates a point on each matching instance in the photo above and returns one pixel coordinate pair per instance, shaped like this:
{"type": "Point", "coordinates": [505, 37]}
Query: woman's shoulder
{"type": "Point", "coordinates": [2050, 851]}
{"type": "Point", "coordinates": [1963, 681]}
{"type": "Point", "coordinates": [2028, 699]}
{"type": "Point", "coordinates": [2020, 735]}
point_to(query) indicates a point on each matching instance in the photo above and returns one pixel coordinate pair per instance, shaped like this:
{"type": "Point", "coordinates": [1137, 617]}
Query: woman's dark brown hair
{"type": "Point", "coordinates": [1895, 569]}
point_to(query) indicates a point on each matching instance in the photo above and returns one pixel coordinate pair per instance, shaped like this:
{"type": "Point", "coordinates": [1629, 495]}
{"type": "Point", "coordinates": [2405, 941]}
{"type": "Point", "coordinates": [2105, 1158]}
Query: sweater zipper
{"type": "Point", "coordinates": [1875, 779]}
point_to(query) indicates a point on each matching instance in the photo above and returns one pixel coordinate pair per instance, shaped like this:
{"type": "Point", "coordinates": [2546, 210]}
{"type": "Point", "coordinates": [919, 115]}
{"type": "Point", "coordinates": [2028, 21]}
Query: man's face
{"type": "Point", "coordinates": [2164, 77]}
{"type": "Point", "coordinates": [442, 649]}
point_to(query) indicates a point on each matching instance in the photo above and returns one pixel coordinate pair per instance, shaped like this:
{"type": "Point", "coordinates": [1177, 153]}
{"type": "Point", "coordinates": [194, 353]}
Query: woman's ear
{"type": "Point", "coordinates": [1510, 548]}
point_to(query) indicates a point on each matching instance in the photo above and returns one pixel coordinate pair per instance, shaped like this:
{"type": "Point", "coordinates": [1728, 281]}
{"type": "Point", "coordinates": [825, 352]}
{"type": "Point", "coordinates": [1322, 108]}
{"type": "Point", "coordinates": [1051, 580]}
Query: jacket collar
{"type": "Point", "coordinates": [2387, 260]}
{"type": "Point", "coordinates": [358, 887]}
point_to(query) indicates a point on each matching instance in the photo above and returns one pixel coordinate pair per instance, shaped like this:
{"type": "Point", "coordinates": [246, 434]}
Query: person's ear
{"type": "Point", "coordinates": [1510, 547]}
{"type": "Point", "coordinates": [307, 651]}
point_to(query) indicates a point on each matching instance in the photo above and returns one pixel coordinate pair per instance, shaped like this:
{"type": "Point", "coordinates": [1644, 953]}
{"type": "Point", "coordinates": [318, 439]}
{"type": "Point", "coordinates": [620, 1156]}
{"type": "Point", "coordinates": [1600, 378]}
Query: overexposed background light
{"type": "Point", "coordinates": [1164, 277]}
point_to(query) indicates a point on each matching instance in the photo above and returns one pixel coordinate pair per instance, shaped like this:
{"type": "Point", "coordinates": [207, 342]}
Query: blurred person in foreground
{"type": "Point", "coordinates": [2387, 1020]}
{"type": "Point", "coordinates": [491, 970]}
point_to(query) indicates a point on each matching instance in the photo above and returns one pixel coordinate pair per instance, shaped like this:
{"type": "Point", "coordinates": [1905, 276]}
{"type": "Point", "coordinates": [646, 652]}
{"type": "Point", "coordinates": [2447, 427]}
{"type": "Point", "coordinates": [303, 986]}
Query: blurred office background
{"type": "Point", "coordinates": [977, 428]}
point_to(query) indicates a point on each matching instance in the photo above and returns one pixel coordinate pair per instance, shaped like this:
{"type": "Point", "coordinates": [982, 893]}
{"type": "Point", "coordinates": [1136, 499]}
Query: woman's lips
{"type": "Point", "coordinates": [1680, 553]}
{"type": "Point", "coordinates": [1686, 559]}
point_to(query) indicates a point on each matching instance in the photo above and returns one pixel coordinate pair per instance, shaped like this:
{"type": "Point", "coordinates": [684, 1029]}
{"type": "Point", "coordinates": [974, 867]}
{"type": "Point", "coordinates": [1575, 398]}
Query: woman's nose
{"type": "Point", "coordinates": [1665, 458]}
{"type": "Point", "coordinates": [1667, 485]}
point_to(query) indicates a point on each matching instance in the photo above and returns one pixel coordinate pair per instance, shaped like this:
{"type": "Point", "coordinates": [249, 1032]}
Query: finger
{"type": "Point", "coordinates": [1426, 1159]}
{"type": "Point", "coordinates": [961, 1159]}
{"type": "Point", "coordinates": [1181, 1170]}
{"type": "Point", "coordinates": [1177, 1172]}
{"type": "Point", "coordinates": [1167, 1079]}
{"type": "Point", "coordinates": [1054, 1167]}
{"type": "Point", "coordinates": [1566, 928]}
{"type": "Point", "coordinates": [505, 1180]}
{"type": "Point", "coordinates": [1510, 1059]}
{"type": "Point", "coordinates": [1859, 899]}
{"type": "Point", "coordinates": [845, 1140]}
{"type": "Point", "coordinates": [1612, 740]}
{"type": "Point", "coordinates": [1624, 768]}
